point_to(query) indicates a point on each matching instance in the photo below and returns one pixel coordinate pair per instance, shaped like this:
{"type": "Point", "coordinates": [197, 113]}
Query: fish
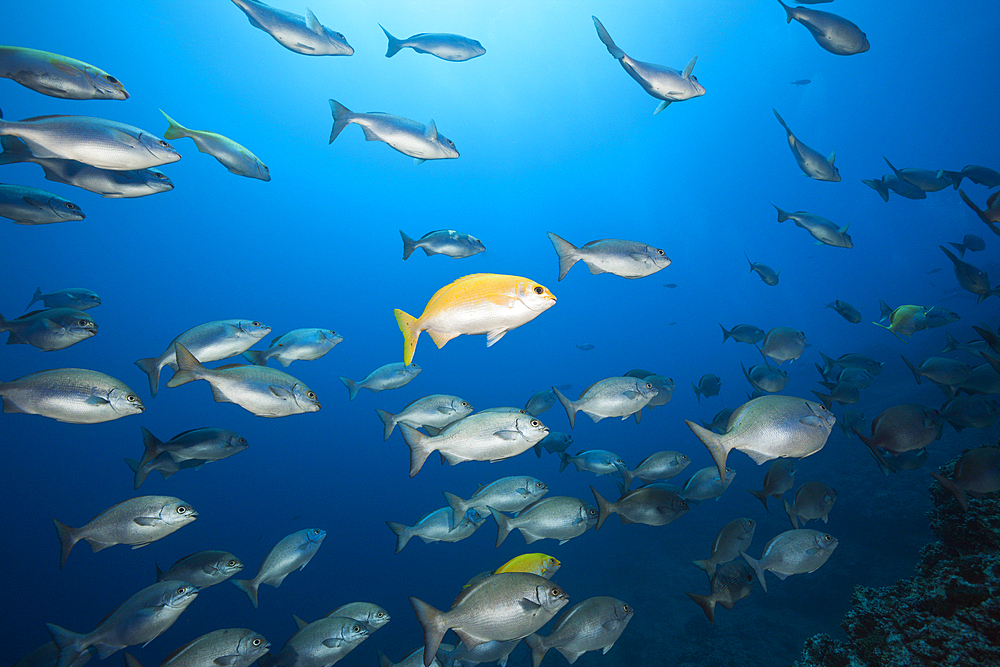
{"type": "Point", "coordinates": [970, 242]}
{"type": "Point", "coordinates": [541, 564]}
{"type": "Point", "coordinates": [416, 657]}
{"type": "Point", "coordinates": [903, 428]}
{"type": "Point", "coordinates": [732, 582]}
{"type": "Point", "coordinates": [390, 376]}
{"type": "Point", "coordinates": [421, 142]}
{"type": "Point", "coordinates": [941, 370]}
{"type": "Point", "coordinates": [975, 173]}
{"type": "Point", "coordinates": [610, 397]}
{"type": "Point", "coordinates": [101, 143]}
{"type": "Point", "coordinates": [436, 410]}
{"type": "Point", "coordinates": [766, 273]}
{"type": "Point", "coordinates": [202, 444]}
{"type": "Point", "coordinates": [210, 341]}
{"type": "Point", "coordinates": [305, 35]}
{"type": "Point", "coordinates": [443, 242]}
{"type": "Point", "coordinates": [586, 347]}
{"type": "Point", "coordinates": [202, 569]}
{"type": "Point", "coordinates": [292, 553]}
{"type": "Point", "coordinates": [461, 655]}
{"type": "Point", "coordinates": [598, 461]}
{"type": "Point", "coordinates": [824, 231]}
{"type": "Point", "coordinates": [25, 205]}
{"type": "Point", "coordinates": [743, 333]}
{"type": "Point", "coordinates": [843, 392]}
{"type": "Point", "coordinates": [991, 216]}
{"type": "Point", "coordinates": [136, 522]}
{"type": "Point", "coordinates": [232, 647]}
{"type": "Point", "coordinates": [927, 180]}
{"type": "Point", "coordinates": [976, 473]}
{"type": "Point", "coordinates": [784, 344]}
{"type": "Point", "coordinates": [162, 463]}
{"type": "Point", "coordinates": [846, 310]}
{"type": "Point", "coordinates": [70, 395]}
{"type": "Point", "coordinates": [47, 655]}
{"type": "Point", "coordinates": [813, 500]}
{"type": "Point", "coordinates": [810, 161]}
{"type": "Point", "coordinates": [592, 625]}
{"type": "Point", "coordinates": [734, 538]}
{"type": "Point", "coordinates": [139, 620]}
{"type": "Point", "coordinates": [299, 344]}
{"type": "Point", "coordinates": [323, 642]}
{"type": "Point", "coordinates": [266, 392]}
{"type": "Point", "coordinates": [985, 378]}
{"type": "Point", "coordinates": [720, 422]}
{"type": "Point", "coordinates": [765, 377]}
{"type": "Point", "coordinates": [554, 443]}
{"type": "Point", "coordinates": [481, 303]}
{"type": "Point", "coordinates": [670, 285]}
{"type": "Point", "coordinates": [970, 412]}
{"type": "Point", "coordinates": [850, 420]}
{"type": "Point", "coordinates": [370, 614]}
{"type": "Point", "coordinates": [709, 385]}
{"type": "Point", "coordinates": [49, 330]}
{"type": "Point", "coordinates": [628, 259]}
{"type": "Point", "coordinates": [540, 402]}
{"type": "Point", "coordinates": [438, 526]}
{"type": "Point", "coordinates": [851, 360]}
{"type": "Point", "coordinates": [834, 33]}
{"type": "Point", "coordinates": [793, 552]}
{"type": "Point", "coordinates": [661, 82]}
{"type": "Point", "coordinates": [770, 427]}
{"type": "Point", "coordinates": [70, 297]}
{"type": "Point", "coordinates": [706, 484]}
{"type": "Point", "coordinates": [445, 46]}
{"type": "Point", "coordinates": [58, 76]}
{"type": "Point", "coordinates": [892, 182]}
{"type": "Point", "coordinates": [664, 388]}
{"type": "Point", "coordinates": [971, 278]}
{"type": "Point", "coordinates": [801, 82]}
{"type": "Point", "coordinates": [655, 467]}
{"type": "Point", "coordinates": [780, 477]}
{"type": "Point", "coordinates": [509, 494]}
{"type": "Point", "coordinates": [231, 155]}
{"type": "Point", "coordinates": [503, 607]}
{"type": "Point", "coordinates": [554, 517]}
{"type": "Point", "coordinates": [484, 436]}
{"type": "Point", "coordinates": [649, 505]}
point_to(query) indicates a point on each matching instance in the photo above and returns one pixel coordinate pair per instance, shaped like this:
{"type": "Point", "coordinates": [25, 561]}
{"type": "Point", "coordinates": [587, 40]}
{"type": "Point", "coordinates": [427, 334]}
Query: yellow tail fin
{"type": "Point", "coordinates": [407, 324]}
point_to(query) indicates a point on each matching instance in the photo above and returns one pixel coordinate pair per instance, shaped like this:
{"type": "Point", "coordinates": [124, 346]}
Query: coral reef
{"type": "Point", "coordinates": [947, 614]}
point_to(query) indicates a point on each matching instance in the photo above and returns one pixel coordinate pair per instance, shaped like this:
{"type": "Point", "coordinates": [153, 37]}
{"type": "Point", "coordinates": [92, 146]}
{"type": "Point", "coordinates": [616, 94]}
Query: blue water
{"type": "Point", "coordinates": [553, 136]}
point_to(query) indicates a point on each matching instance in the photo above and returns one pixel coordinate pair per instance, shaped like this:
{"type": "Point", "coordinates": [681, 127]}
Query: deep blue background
{"type": "Point", "coordinates": [554, 136]}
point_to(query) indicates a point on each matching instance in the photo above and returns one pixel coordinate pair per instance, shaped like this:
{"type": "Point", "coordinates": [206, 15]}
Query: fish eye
{"type": "Point", "coordinates": [181, 509]}
{"type": "Point", "coordinates": [243, 441]}
{"type": "Point", "coordinates": [160, 176]}
{"type": "Point", "coordinates": [232, 563]}
{"type": "Point", "coordinates": [591, 511]}
{"type": "Point", "coordinates": [357, 628]}
{"type": "Point", "coordinates": [465, 404]}
{"type": "Point", "coordinates": [111, 79]}
{"type": "Point", "coordinates": [181, 590]}
{"type": "Point", "coordinates": [71, 206]}
{"type": "Point", "coordinates": [535, 422]}
{"type": "Point", "coordinates": [379, 614]}
{"type": "Point", "coordinates": [316, 531]}
{"type": "Point", "coordinates": [659, 252]}
{"type": "Point", "coordinates": [311, 394]}
{"type": "Point", "coordinates": [82, 323]}
{"type": "Point", "coordinates": [256, 641]}
{"type": "Point", "coordinates": [163, 143]}
{"type": "Point", "coordinates": [625, 607]}
{"type": "Point", "coordinates": [649, 385]}
{"type": "Point", "coordinates": [255, 324]}
{"type": "Point", "coordinates": [130, 398]}
{"type": "Point", "coordinates": [538, 289]}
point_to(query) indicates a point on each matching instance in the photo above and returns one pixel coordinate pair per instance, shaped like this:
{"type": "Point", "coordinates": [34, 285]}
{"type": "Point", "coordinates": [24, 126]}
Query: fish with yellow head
{"type": "Point", "coordinates": [481, 303]}
{"type": "Point", "coordinates": [904, 320]}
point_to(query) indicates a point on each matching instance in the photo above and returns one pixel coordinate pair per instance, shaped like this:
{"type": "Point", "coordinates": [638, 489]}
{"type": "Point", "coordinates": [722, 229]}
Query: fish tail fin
{"type": "Point", "coordinates": [538, 450]}
{"type": "Point", "coordinates": [569, 405]}
{"type": "Point", "coordinates": [956, 491]}
{"type": "Point", "coordinates": [627, 476]}
{"type": "Point", "coordinates": [755, 565]}
{"type": "Point", "coordinates": [952, 343]}
{"type": "Point", "coordinates": [458, 508]}
{"type": "Point", "coordinates": [697, 391]}
{"type": "Point", "coordinates": [604, 509]}
{"type": "Point", "coordinates": [130, 660]}
{"type": "Point", "coordinates": [761, 496]}
{"type": "Point", "coordinates": [913, 369]}
{"type": "Point", "coordinates": [792, 516]}
{"type": "Point", "coordinates": [567, 252]}
{"type": "Point", "coordinates": [14, 150]}
{"type": "Point", "coordinates": [37, 297]}
{"type": "Point", "coordinates": [151, 367]}
{"type": "Point", "coordinates": [790, 15]}
{"type": "Point", "coordinates": [782, 214]}
{"type": "Point", "coordinates": [67, 538]}
{"type": "Point", "coordinates": [776, 114]}
{"type": "Point", "coordinates": [387, 422]}
{"type": "Point", "coordinates": [176, 130]}
{"type": "Point", "coordinates": [706, 603]}
{"type": "Point", "coordinates": [826, 399]}
{"type": "Point", "coordinates": [409, 245]}
{"type": "Point", "coordinates": [402, 532]}
{"type": "Point", "coordinates": [715, 446]}
{"type": "Point", "coordinates": [878, 186]}
{"type": "Point", "coordinates": [889, 329]}
{"type": "Point", "coordinates": [434, 627]}
{"type": "Point", "coordinates": [68, 644]}
{"type": "Point", "coordinates": [342, 117]}
{"type": "Point", "coordinates": [352, 387]}
{"type": "Point", "coordinates": [248, 586]}
{"type": "Point", "coordinates": [152, 446]}
{"type": "Point", "coordinates": [383, 661]}
{"type": "Point", "coordinates": [503, 526]}
{"type": "Point", "coordinates": [608, 42]}
{"type": "Point", "coordinates": [885, 310]}
{"type": "Point", "coordinates": [394, 44]}
{"type": "Point", "coordinates": [140, 473]}
{"type": "Point", "coordinates": [563, 460]}
{"type": "Point", "coordinates": [707, 565]}
{"type": "Point", "coordinates": [159, 572]}
{"type": "Point", "coordinates": [256, 357]}
{"type": "Point", "coordinates": [726, 335]}
{"type": "Point", "coordinates": [408, 326]}
{"type": "Point", "coordinates": [189, 368]}
{"type": "Point", "coordinates": [419, 446]}
{"type": "Point", "coordinates": [534, 642]}
{"type": "Point", "coordinates": [955, 177]}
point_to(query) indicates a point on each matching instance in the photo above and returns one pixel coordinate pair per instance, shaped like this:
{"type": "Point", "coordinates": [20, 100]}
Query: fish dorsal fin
{"type": "Point", "coordinates": [690, 67]}
{"type": "Point", "coordinates": [833, 156]}
{"type": "Point", "coordinates": [431, 132]}
{"type": "Point", "coordinates": [312, 23]}
{"type": "Point", "coordinates": [843, 229]}
{"type": "Point", "coordinates": [228, 366]}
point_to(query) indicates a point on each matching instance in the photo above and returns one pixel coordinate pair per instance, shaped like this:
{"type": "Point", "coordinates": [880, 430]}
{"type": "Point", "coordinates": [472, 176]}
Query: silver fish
{"type": "Point", "coordinates": [846, 310]}
{"type": "Point", "coordinates": [416, 657]}
{"type": "Point", "coordinates": [136, 522]}
{"type": "Point", "coordinates": [463, 656]}
{"type": "Point", "coordinates": [970, 277]}
{"type": "Point", "coordinates": [628, 259]}
{"type": "Point", "coordinates": [390, 376]}
{"type": "Point", "coordinates": [71, 297]}
{"type": "Point", "coordinates": [824, 231]}
{"type": "Point", "coordinates": [101, 143]}
{"type": "Point", "coordinates": [658, 466]}
{"type": "Point", "coordinates": [784, 344]}
{"type": "Point", "coordinates": [936, 316]}
{"type": "Point", "coordinates": [138, 620]}
{"type": "Point", "coordinates": [504, 607]}
{"type": "Point", "coordinates": [162, 463]}
{"type": "Point", "coordinates": [47, 655]}
{"type": "Point", "coordinates": [663, 83]}
{"type": "Point", "coordinates": [232, 647]}
{"type": "Point", "coordinates": [731, 583]}
{"type": "Point", "coordinates": [369, 613]}
{"type": "Point", "coordinates": [765, 377]}
{"type": "Point", "coordinates": [592, 625]}
{"type": "Point", "coordinates": [611, 397]}
{"type": "Point", "coordinates": [810, 161]}
{"type": "Point", "coordinates": [553, 443]}
{"type": "Point", "coordinates": [649, 505]}
{"type": "Point", "coordinates": [768, 275]}
{"type": "Point", "coordinates": [301, 34]}
{"type": "Point", "coordinates": [597, 461]}
{"type": "Point", "coordinates": [292, 553]}
{"type": "Point", "coordinates": [540, 402]}
{"type": "Point", "coordinates": [706, 484]}
{"type": "Point", "coordinates": [443, 242]}
{"type": "Point", "coordinates": [780, 477]}
{"type": "Point", "coordinates": [813, 500]}
{"type": "Point", "coordinates": [851, 360]}
{"type": "Point", "coordinates": [436, 411]}
{"type": "Point", "coordinates": [970, 412]}
{"type": "Point", "coordinates": [928, 180]}
{"type": "Point", "coordinates": [211, 341]}
{"type": "Point", "coordinates": [555, 517]}
{"type": "Point", "coordinates": [485, 436]}
{"type": "Point", "coordinates": [770, 427]}
{"type": "Point", "coordinates": [834, 33]}
{"type": "Point", "coordinates": [941, 370]}
{"type": "Point", "coordinates": [793, 552]}
{"type": "Point", "coordinates": [266, 392]}
{"type": "Point", "coordinates": [743, 333]}
{"type": "Point", "coordinates": [71, 395]}
{"type": "Point", "coordinates": [976, 473]}
{"type": "Point", "coordinates": [202, 568]}
{"type": "Point", "coordinates": [720, 422]}
{"type": "Point", "coordinates": [234, 157]}
{"type": "Point", "coordinates": [508, 494]}
{"type": "Point", "coordinates": [438, 526]}
{"type": "Point", "coordinates": [445, 46]}
{"type": "Point", "coordinates": [732, 540]}
{"type": "Point", "coordinates": [299, 344]}
{"type": "Point", "coordinates": [53, 329]}
{"type": "Point", "coordinates": [709, 385]}
{"type": "Point", "coordinates": [321, 643]}
{"type": "Point", "coordinates": [421, 142]}
{"type": "Point", "coordinates": [203, 444]}
{"type": "Point", "coordinates": [892, 182]}
{"type": "Point", "coordinates": [58, 76]}
{"type": "Point", "coordinates": [33, 206]}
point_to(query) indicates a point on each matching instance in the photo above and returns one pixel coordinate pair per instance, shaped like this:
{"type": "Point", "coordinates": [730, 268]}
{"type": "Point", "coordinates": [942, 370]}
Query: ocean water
{"type": "Point", "coordinates": [554, 136]}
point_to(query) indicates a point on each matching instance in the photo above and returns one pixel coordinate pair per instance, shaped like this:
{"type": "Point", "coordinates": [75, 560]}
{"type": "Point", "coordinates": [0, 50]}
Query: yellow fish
{"type": "Point", "coordinates": [482, 303]}
{"type": "Point", "coordinates": [540, 564]}
{"type": "Point", "coordinates": [904, 320]}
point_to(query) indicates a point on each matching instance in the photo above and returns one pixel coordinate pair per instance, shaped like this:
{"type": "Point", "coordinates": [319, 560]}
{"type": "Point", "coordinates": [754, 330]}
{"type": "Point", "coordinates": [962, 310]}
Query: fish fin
{"type": "Point", "coordinates": [689, 68]}
{"type": "Point", "coordinates": [503, 526]}
{"type": "Point", "coordinates": [790, 14]}
{"type": "Point", "coordinates": [433, 625]}
{"type": "Point", "coordinates": [755, 565]}
{"type": "Point", "coordinates": [408, 326]}
{"type": "Point", "coordinates": [420, 447]}
{"type": "Point", "coordinates": [707, 565]}
{"type": "Point", "coordinates": [67, 538]}
{"type": "Point", "coordinates": [146, 521]}
{"type": "Point", "coordinates": [832, 158]}
{"type": "Point", "coordinates": [352, 387]}
{"type": "Point", "coordinates": [96, 400]}
{"type": "Point", "coordinates": [782, 575]}
{"type": "Point", "coordinates": [507, 435]}
{"type": "Point", "coordinates": [537, 647]}
{"type": "Point", "coordinates": [661, 106]}
{"type": "Point", "coordinates": [280, 392]}
{"type": "Point", "coordinates": [955, 490]}
{"type": "Point", "coordinates": [409, 245]}
{"type": "Point", "coordinates": [567, 253]}
{"type": "Point", "coordinates": [312, 23]}
{"type": "Point", "coordinates": [402, 533]}
{"type": "Point", "coordinates": [342, 117]}
{"type": "Point", "coordinates": [458, 508]}
{"type": "Point", "coordinates": [528, 606]}
{"type": "Point", "coordinates": [395, 45]}
{"type": "Point", "coordinates": [613, 49]}
{"type": "Point", "coordinates": [431, 131]}
{"type": "Point", "coordinates": [879, 187]}
{"type": "Point", "coordinates": [152, 446]}
{"type": "Point", "coordinates": [176, 130]}
{"type": "Point", "coordinates": [706, 603]}
{"type": "Point", "coordinates": [441, 339]}
{"type": "Point", "coordinates": [188, 368]}
{"type": "Point", "coordinates": [604, 509]}
{"type": "Point", "coordinates": [257, 358]}
{"type": "Point", "coordinates": [387, 422]}
{"type": "Point", "coordinates": [492, 336]}
{"type": "Point", "coordinates": [761, 496]}
{"type": "Point", "coordinates": [777, 115]}
{"type": "Point", "coordinates": [716, 447]}
{"type": "Point", "coordinates": [151, 367]}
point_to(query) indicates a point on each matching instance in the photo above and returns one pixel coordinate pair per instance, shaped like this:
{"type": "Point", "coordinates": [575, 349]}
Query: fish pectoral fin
{"type": "Point", "coordinates": [528, 606]}
{"type": "Point", "coordinates": [686, 73]}
{"type": "Point", "coordinates": [443, 410]}
{"type": "Point", "coordinates": [125, 138]}
{"type": "Point", "coordinates": [420, 160]}
{"type": "Point", "coordinates": [523, 493]}
{"type": "Point", "coordinates": [493, 336]}
{"type": "Point", "coordinates": [332, 643]}
{"type": "Point", "coordinates": [507, 435]}
{"type": "Point", "coordinates": [226, 660]}
{"type": "Point", "coordinates": [96, 400]}
{"type": "Point", "coordinates": [49, 324]}
{"type": "Point", "coordinates": [146, 520]}
{"type": "Point", "coordinates": [631, 395]}
{"type": "Point", "coordinates": [280, 392]}
{"type": "Point", "coordinates": [779, 575]}
{"type": "Point", "coordinates": [304, 46]}
{"type": "Point", "coordinates": [369, 134]}
{"type": "Point", "coordinates": [661, 106]}
{"type": "Point", "coordinates": [812, 420]}
{"type": "Point", "coordinates": [34, 202]}
{"type": "Point", "coordinates": [277, 580]}
{"type": "Point", "coordinates": [611, 645]}
{"type": "Point", "coordinates": [440, 337]}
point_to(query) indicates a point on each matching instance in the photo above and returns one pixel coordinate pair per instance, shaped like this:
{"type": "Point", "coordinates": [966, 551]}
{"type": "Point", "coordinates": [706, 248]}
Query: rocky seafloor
{"type": "Point", "coordinates": [947, 614]}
